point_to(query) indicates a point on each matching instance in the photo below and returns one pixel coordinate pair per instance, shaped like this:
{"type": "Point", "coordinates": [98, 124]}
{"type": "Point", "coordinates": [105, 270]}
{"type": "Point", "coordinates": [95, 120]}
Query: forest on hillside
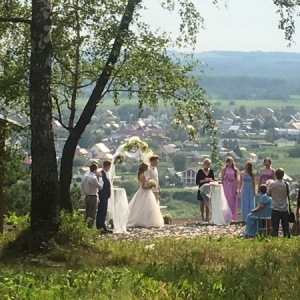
{"type": "Point", "coordinates": [245, 75]}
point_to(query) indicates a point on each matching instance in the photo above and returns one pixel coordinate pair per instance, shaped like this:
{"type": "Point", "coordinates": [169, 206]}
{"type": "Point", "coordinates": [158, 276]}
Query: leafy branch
{"type": "Point", "coordinates": [15, 20]}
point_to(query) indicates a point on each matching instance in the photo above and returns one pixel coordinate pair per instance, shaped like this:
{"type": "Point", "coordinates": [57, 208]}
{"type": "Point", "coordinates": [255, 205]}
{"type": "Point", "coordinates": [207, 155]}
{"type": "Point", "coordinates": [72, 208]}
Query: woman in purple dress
{"type": "Point", "coordinates": [266, 173]}
{"type": "Point", "coordinates": [229, 179]}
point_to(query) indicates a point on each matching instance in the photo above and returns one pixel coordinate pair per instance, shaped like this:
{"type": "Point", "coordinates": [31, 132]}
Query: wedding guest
{"type": "Point", "coordinates": [144, 210]}
{"type": "Point", "coordinates": [298, 205]}
{"type": "Point", "coordinates": [152, 173]}
{"type": "Point", "coordinates": [229, 179]}
{"type": "Point", "coordinates": [262, 210]}
{"type": "Point", "coordinates": [266, 173]}
{"type": "Point", "coordinates": [204, 175]}
{"type": "Point", "coordinates": [89, 187]}
{"type": "Point", "coordinates": [247, 190]}
{"type": "Point", "coordinates": [279, 190]}
{"type": "Point", "coordinates": [104, 195]}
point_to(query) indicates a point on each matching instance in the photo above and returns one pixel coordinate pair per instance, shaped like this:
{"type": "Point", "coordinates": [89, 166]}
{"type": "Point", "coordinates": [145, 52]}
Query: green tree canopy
{"type": "Point", "coordinates": [179, 161]}
{"type": "Point", "coordinates": [108, 46]}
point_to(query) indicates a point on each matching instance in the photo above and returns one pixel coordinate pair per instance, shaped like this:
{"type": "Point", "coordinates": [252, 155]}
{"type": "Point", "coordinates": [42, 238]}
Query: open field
{"type": "Point", "coordinates": [249, 104]}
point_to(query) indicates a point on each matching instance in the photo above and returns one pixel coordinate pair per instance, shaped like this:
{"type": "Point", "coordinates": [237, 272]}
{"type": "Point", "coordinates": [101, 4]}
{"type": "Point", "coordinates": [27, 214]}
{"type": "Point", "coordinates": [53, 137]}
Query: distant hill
{"type": "Point", "coordinates": [245, 75]}
{"type": "Point", "coordinates": [282, 65]}
{"type": "Point", "coordinates": [253, 64]}
{"type": "Point", "coordinates": [249, 75]}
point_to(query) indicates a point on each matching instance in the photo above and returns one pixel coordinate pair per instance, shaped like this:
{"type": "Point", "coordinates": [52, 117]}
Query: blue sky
{"type": "Point", "coordinates": [245, 25]}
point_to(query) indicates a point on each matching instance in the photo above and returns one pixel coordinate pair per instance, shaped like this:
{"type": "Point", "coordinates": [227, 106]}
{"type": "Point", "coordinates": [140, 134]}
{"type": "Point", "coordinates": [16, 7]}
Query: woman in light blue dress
{"type": "Point", "coordinates": [263, 210]}
{"type": "Point", "coordinates": [247, 190]}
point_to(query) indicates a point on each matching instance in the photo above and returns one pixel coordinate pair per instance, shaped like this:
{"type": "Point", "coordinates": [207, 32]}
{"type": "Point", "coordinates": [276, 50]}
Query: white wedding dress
{"type": "Point", "coordinates": [144, 210]}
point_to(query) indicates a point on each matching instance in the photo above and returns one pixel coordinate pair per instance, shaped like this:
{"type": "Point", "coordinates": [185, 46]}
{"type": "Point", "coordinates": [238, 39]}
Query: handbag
{"type": "Point", "coordinates": [295, 231]}
{"type": "Point", "coordinates": [291, 216]}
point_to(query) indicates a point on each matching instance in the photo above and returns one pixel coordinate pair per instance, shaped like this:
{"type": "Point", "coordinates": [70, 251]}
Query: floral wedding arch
{"type": "Point", "coordinates": [134, 148]}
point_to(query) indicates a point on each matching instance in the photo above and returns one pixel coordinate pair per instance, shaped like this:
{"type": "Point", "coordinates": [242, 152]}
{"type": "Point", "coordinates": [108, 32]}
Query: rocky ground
{"type": "Point", "coordinates": [188, 228]}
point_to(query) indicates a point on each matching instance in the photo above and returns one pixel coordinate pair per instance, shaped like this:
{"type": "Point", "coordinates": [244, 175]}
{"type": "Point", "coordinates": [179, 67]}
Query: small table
{"type": "Point", "coordinates": [118, 209]}
{"type": "Point", "coordinates": [214, 197]}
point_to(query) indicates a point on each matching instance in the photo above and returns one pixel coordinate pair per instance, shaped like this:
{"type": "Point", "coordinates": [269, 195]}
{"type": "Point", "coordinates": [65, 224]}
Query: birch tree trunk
{"type": "Point", "coordinates": [44, 178]}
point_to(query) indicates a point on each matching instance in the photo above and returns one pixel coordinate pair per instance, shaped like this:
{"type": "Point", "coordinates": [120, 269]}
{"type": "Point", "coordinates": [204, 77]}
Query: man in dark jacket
{"type": "Point", "coordinates": [104, 195]}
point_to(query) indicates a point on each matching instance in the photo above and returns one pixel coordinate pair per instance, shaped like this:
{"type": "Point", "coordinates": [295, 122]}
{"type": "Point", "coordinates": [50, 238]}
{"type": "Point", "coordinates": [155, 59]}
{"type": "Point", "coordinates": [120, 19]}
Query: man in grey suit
{"type": "Point", "coordinates": [90, 184]}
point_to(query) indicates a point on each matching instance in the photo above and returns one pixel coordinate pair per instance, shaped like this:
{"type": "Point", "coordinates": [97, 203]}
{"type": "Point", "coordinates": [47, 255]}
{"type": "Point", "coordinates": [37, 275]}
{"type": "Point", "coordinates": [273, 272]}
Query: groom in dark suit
{"type": "Point", "coordinates": [104, 195]}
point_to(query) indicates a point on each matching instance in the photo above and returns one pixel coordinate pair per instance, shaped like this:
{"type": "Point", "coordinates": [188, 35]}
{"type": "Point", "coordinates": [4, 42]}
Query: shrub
{"type": "Point", "coordinates": [74, 230]}
{"type": "Point", "coordinates": [79, 161]}
{"type": "Point", "coordinates": [17, 197]}
{"type": "Point", "coordinates": [187, 196]}
{"type": "Point", "coordinates": [76, 197]}
{"type": "Point", "coordinates": [294, 152]}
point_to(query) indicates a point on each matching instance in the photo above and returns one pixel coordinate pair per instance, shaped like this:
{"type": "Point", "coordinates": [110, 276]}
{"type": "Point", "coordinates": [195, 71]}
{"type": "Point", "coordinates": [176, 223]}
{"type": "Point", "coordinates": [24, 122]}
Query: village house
{"type": "Point", "coordinates": [81, 152]}
{"type": "Point", "coordinates": [195, 157]}
{"type": "Point", "coordinates": [224, 155]}
{"type": "Point", "coordinates": [158, 134]}
{"type": "Point", "coordinates": [110, 117]}
{"type": "Point", "coordinates": [225, 125]}
{"type": "Point", "coordinates": [253, 157]}
{"type": "Point", "coordinates": [167, 152]}
{"type": "Point", "coordinates": [284, 143]}
{"type": "Point", "coordinates": [294, 125]}
{"type": "Point", "coordinates": [100, 151]}
{"type": "Point", "coordinates": [267, 112]}
{"type": "Point", "coordinates": [172, 176]}
{"type": "Point", "coordinates": [228, 140]}
{"type": "Point", "coordinates": [150, 120]}
{"type": "Point", "coordinates": [253, 145]}
{"type": "Point", "coordinates": [188, 177]}
{"type": "Point", "coordinates": [230, 115]}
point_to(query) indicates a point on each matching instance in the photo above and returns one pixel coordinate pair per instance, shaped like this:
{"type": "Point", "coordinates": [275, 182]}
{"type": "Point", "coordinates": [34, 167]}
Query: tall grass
{"type": "Point", "coordinates": [79, 265]}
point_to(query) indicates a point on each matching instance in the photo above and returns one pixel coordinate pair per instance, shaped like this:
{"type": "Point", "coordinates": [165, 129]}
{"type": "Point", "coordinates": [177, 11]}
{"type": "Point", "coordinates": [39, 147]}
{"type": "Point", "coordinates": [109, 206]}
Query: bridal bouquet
{"type": "Point", "coordinates": [119, 160]}
{"type": "Point", "coordinates": [151, 183]}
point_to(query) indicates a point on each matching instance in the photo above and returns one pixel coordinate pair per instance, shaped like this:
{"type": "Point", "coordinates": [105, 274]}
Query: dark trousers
{"type": "Point", "coordinates": [276, 216]}
{"type": "Point", "coordinates": [101, 213]}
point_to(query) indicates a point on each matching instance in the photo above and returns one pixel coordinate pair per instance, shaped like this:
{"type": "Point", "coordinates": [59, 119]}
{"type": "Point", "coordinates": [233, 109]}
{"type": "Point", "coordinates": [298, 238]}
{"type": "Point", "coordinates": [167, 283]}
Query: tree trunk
{"type": "Point", "coordinates": [85, 118]}
{"type": "Point", "coordinates": [44, 177]}
{"type": "Point", "coordinates": [2, 157]}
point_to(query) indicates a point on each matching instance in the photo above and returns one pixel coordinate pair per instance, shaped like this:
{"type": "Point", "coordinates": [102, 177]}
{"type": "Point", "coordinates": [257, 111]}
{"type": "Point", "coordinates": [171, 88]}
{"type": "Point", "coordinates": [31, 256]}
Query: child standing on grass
{"type": "Point", "coordinates": [247, 190]}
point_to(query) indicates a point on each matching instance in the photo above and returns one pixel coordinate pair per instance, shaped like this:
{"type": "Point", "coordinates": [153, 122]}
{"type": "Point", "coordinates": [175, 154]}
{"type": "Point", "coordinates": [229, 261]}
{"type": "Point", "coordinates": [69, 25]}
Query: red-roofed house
{"type": "Point", "coordinates": [267, 112]}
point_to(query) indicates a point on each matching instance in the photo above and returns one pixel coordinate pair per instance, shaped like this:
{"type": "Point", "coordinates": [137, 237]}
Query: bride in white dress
{"type": "Point", "coordinates": [144, 210]}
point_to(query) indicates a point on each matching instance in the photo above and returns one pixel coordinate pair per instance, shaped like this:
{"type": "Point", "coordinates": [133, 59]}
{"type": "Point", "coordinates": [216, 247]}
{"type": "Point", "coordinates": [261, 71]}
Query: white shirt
{"type": "Point", "coordinates": [278, 191]}
{"type": "Point", "coordinates": [90, 184]}
{"type": "Point", "coordinates": [153, 174]}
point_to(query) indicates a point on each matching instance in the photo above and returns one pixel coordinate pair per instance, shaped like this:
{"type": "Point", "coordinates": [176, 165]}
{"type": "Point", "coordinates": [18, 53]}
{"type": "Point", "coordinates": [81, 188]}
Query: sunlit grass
{"type": "Point", "coordinates": [79, 265]}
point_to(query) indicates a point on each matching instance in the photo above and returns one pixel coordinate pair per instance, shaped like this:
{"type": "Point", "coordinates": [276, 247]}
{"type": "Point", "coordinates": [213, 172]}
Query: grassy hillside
{"type": "Point", "coordinates": [77, 264]}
